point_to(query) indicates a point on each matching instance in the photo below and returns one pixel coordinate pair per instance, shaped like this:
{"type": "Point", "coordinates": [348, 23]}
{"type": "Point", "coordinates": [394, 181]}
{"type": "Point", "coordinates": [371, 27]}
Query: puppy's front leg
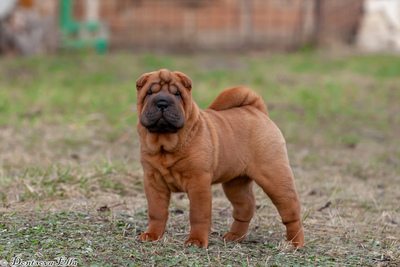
{"type": "Point", "coordinates": [158, 198]}
{"type": "Point", "coordinates": [200, 212]}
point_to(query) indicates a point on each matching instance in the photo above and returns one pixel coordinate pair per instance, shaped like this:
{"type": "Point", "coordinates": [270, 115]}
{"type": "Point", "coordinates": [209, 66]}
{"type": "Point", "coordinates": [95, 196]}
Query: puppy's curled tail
{"type": "Point", "coordinates": [238, 96]}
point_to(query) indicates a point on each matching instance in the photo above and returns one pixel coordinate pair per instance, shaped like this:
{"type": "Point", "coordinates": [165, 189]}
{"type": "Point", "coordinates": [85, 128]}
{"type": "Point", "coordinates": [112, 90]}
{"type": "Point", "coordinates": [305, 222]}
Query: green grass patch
{"type": "Point", "coordinates": [87, 89]}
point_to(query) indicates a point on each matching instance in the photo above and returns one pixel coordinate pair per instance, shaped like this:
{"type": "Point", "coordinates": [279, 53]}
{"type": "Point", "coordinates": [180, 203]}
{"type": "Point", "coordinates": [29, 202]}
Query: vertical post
{"type": "Point", "coordinates": [65, 13]}
{"type": "Point", "coordinates": [246, 23]}
{"type": "Point", "coordinates": [189, 28]}
{"type": "Point", "coordinates": [318, 20]}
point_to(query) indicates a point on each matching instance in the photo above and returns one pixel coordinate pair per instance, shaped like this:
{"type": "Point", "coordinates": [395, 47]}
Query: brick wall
{"type": "Point", "coordinates": [205, 24]}
{"type": "Point", "coordinates": [225, 24]}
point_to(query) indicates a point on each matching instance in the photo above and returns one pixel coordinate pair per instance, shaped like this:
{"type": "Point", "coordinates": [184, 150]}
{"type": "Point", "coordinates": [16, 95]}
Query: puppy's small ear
{"type": "Point", "coordinates": [185, 80]}
{"type": "Point", "coordinates": [142, 80]}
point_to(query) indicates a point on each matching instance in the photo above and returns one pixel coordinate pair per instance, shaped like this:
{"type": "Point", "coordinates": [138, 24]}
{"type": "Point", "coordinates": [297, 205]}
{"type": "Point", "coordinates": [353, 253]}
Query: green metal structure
{"type": "Point", "coordinates": [81, 35]}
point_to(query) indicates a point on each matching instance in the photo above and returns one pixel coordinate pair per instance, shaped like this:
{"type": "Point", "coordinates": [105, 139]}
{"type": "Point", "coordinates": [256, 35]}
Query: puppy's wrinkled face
{"type": "Point", "coordinates": [162, 100]}
{"type": "Point", "coordinates": [163, 111]}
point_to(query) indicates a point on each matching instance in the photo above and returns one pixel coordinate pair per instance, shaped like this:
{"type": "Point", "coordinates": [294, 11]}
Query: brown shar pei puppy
{"type": "Point", "coordinates": [232, 142]}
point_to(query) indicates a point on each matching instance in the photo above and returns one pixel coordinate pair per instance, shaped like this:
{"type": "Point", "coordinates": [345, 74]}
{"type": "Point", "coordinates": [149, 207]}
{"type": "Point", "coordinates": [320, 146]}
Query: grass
{"type": "Point", "coordinates": [71, 181]}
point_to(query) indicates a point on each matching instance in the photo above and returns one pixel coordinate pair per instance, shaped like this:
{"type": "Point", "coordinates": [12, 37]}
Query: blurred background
{"type": "Point", "coordinates": [41, 26]}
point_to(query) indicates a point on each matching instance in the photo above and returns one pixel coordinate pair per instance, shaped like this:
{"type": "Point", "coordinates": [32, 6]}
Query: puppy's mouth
{"type": "Point", "coordinates": [162, 126]}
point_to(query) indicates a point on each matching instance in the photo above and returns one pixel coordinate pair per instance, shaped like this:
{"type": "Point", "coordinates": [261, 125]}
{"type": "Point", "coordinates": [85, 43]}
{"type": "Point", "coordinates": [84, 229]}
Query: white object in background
{"type": "Point", "coordinates": [92, 10]}
{"type": "Point", "coordinates": [380, 26]}
{"type": "Point", "coordinates": [6, 6]}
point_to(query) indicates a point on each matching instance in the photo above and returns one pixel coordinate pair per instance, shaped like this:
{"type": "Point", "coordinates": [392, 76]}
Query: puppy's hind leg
{"type": "Point", "coordinates": [276, 179]}
{"type": "Point", "coordinates": [239, 191]}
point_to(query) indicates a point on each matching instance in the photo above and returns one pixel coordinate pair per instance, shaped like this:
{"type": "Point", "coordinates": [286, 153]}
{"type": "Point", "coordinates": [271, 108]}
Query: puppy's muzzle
{"type": "Point", "coordinates": [163, 114]}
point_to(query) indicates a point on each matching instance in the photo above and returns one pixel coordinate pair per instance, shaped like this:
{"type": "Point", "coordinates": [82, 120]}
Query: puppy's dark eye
{"type": "Point", "coordinates": [149, 93]}
{"type": "Point", "coordinates": [178, 94]}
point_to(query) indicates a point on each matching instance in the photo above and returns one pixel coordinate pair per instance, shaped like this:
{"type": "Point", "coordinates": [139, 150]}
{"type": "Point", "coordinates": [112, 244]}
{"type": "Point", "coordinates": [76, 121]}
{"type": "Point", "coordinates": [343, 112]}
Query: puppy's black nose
{"type": "Point", "coordinates": [162, 105]}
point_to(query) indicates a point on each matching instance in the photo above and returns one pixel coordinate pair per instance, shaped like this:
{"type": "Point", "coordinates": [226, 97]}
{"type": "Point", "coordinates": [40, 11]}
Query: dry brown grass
{"type": "Point", "coordinates": [350, 196]}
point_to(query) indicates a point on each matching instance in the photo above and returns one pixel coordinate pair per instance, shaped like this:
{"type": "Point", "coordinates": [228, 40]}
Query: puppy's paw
{"type": "Point", "coordinates": [148, 237]}
{"type": "Point", "coordinates": [229, 237]}
{"type": "Point", "coordinates": [295, 235]}
{"type": "Point", "coordinates": [198, 242]}
{"type": "Point", "coordinates": [294, 245]}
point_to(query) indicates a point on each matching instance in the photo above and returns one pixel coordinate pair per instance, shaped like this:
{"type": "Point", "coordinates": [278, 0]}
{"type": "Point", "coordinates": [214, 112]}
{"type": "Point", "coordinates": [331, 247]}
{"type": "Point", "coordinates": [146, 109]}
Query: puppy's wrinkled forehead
{"type": "Point", "coordinates": [163, 80]}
